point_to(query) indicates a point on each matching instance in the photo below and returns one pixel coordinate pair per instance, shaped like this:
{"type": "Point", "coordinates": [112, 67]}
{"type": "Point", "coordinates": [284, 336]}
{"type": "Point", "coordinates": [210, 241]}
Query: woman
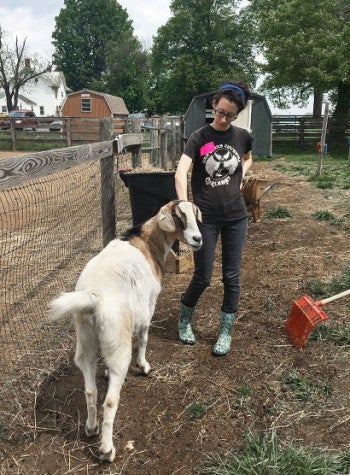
{"type": "Point", "coordinates": [221, 155]}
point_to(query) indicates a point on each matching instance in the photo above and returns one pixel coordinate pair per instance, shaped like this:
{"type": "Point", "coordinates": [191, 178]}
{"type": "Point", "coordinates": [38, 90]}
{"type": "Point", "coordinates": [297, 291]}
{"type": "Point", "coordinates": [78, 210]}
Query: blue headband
{"type": "Point", "coordinates": [235, 88]}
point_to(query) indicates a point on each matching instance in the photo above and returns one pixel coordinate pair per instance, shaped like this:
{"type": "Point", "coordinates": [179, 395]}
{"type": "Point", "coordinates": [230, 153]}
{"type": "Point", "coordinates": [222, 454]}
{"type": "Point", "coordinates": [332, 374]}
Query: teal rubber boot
{"type": "Point", "coordinates": [223, 344]}
{"type": "Point", "coordinates": [186, 334]}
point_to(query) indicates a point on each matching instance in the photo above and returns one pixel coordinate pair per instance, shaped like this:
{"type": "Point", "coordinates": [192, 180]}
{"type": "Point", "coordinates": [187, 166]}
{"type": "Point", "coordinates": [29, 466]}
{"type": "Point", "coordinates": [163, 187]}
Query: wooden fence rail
{"type": "Point", "coordinates": [161, 136]}
{"type": "Point", "coordinates": [19, 169]}
{"type": "Point", "coordinates": [302, 133]}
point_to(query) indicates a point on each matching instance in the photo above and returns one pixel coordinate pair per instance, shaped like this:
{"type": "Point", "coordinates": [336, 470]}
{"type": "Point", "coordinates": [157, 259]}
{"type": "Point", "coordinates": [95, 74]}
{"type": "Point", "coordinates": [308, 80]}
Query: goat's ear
{"type": "Point", "coordinates": [165, 220]}
{"type": "Point", "coordinates": [197, 213]}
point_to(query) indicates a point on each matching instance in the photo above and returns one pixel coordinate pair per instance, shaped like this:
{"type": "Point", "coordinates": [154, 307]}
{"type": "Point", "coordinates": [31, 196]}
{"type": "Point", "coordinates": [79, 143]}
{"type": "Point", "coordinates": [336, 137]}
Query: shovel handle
{"type": "Point", "coordinates": [334, 297]}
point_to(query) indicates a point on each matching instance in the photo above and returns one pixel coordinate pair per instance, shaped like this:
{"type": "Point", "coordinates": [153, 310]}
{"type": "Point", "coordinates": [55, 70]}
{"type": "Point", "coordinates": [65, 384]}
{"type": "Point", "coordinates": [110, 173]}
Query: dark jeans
{"type": "Point", "coordinates": [233, 235]}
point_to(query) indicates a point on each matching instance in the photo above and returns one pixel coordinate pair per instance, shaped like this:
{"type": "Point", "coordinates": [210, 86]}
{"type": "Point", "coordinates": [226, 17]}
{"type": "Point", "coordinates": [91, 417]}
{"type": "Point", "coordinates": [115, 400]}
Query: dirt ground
{"type": "Point", "coordinates": [155, 431]}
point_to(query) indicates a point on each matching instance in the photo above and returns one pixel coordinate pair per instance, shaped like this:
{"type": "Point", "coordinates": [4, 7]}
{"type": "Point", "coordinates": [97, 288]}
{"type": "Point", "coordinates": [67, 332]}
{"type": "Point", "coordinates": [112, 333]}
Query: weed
{"type": "Point", "coordinates": [325, 215]}
{"type": "Point", "coordinates": [243, 391]}
{"type": "Point", "coordinates": [324, 185]}
{"type": "Point", "coordinates": [279, 212]}
{"type": "Point", "coordinates": [196, 410]}
{"type": "Point", "coordinates": [323, 181]}
{"type": "Point", "coordinates": [318, 288]}
{"type": "Point", "coordinates": [336, 334]}
{"type": "Point", "coordinates": [303, 389]}
{"type": "Point", "coordinates": [270, 304]}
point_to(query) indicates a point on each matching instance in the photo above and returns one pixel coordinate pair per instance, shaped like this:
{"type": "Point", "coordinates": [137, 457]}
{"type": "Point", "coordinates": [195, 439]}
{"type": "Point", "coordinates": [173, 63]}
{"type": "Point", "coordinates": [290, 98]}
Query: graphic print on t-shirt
{"type": "Point", "coordinates": [220, 163]}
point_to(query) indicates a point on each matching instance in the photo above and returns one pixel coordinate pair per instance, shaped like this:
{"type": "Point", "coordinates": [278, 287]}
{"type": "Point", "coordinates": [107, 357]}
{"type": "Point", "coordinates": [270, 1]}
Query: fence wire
{"type": "Point", "coordinates": [49, 228]}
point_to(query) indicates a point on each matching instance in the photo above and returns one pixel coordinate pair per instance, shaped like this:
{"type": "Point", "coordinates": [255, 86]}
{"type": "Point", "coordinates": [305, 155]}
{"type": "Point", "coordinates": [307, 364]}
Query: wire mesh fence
{"type": "Point", "coordinates": [49, 228]}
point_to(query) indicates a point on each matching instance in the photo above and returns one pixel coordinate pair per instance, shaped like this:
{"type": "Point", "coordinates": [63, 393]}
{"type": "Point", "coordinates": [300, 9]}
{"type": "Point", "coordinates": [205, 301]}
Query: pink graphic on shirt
{"type": "Point", "coordinates": [207, 148]}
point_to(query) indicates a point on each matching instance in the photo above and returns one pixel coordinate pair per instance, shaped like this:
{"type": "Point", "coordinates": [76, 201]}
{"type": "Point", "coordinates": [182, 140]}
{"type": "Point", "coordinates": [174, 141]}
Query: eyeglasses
{"type": "Point", "coordinates": [223, 114]}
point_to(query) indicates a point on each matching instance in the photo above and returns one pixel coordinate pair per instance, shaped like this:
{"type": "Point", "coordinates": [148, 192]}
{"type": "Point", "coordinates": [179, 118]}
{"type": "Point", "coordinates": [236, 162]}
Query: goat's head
{"type": "Point", "coordinates": [179, 218]}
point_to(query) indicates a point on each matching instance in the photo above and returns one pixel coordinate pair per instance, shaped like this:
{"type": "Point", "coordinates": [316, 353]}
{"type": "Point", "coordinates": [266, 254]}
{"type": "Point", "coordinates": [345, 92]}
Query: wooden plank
{"type": "Point", "coordinates": [125, 141]}
{"type": "Point", "coordinates": [108, 199]}
{"type": "Point", "coordinates": [178, 264]}
{"type": "Point", "coordinates": [107, 187]}
{"type": "Point", "coordinates": [21, 168]}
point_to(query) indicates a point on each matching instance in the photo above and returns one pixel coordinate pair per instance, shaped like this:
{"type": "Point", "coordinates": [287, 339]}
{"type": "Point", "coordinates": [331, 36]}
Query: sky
{"type": "Point", "coordinates": [35, 21]}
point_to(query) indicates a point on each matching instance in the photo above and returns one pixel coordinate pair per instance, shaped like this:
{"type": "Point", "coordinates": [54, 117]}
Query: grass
{"type": "Point", "coordinates": [270, 304]}
{"type": "Point", "coordinates": [266, 455]}
{"type": "Point", "coordinates": [338, 335]}
{"type": "Point", "coordinates": [243, 391]}
{"type": "Point", "coordinates": [304, 389]}
{"type": "Point", "coordinates": [325, 215]}
{"type": "Point", "coordinates": [279, 212]}
{"type": "Point", "coordinates": [196, 410]}
{"type": "Point", "coordinates": [319, 289]}
{"type": "Point", "coordinates": [335, 172]}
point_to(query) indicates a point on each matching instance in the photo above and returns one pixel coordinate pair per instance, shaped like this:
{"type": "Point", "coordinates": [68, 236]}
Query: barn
{"type": "Point", "coordinates": [256, 117]}
{"type": "Point", "coordinates": [87, 103]}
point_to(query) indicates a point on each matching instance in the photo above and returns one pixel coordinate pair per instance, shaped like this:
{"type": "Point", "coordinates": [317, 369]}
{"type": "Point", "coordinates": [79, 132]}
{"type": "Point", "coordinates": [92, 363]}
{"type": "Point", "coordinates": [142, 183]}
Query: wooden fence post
{"type": "Point", "coordinates": [171, 142]}
{"type": "Point", "coordinates": [163, 145]}
{"type": "Point", "coordinates": [107, 186]}
{"type": "Point", "coordinates": [154, 136]}
{"type": "Point", "coordinates": [133, 126]}
{"type": "Point", "coordinates": [13, 134]}
{"type": "Point", "coordinates": [302, 133]}
{"type": "Point", "coordinates": [106, 129]}
{"type": "Point", "coordinates": [69, 131]}
{"type": "Point", "coordinates": [323, 141]}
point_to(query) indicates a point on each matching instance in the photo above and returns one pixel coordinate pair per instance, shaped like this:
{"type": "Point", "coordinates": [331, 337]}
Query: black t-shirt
{"type": "Point", "coordinates": [217, 171]}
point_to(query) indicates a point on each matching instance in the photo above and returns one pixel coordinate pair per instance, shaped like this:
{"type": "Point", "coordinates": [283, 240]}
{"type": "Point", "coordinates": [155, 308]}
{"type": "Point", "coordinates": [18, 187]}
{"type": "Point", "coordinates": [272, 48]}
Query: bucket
{"type": "Point", "coordinates": [148, 192]}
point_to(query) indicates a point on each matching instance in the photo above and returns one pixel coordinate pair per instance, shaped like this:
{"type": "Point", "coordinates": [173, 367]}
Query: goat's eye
{"type": "Point", "coordinates": [179, 220]}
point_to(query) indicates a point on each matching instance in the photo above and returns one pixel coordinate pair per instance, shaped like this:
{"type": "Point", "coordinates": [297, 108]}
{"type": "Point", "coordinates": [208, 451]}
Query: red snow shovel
{"type": "Point", "coordinates": [305, 315]}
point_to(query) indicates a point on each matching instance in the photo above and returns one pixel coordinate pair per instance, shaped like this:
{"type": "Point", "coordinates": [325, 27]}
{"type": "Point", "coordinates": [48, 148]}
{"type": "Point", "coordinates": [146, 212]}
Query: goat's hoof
{"type": "Point", "coordinates": [144, 368]}
{"type": "Point", "coordinates": [91, 431]}
{"type": "Point", "coordinates": [107, 456]}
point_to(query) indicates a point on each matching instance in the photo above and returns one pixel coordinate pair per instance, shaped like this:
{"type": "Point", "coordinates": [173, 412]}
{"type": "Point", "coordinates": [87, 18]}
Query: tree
{"type": "Point", "coordinates": [305, 48]}
{"type": "Point", "coordinates": [127, 72]}
{"type": "Point", "coordinates": [85, 30]}
{"type": "Point", "coordinates": [203, 43]}
{"type": "Point", "coordinates": [16, 69]}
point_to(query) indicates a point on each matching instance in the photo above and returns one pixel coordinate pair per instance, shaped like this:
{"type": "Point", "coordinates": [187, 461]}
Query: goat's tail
{"type": "Point", "coordinates": [72, 302]}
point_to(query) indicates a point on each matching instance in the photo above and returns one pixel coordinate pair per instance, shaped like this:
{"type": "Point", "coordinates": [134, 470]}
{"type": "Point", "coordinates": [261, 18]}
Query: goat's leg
{"type": "Point", "coordinates": [86, 360]}
{"type": "Point", "coordinates": [117, 373]}
{"type": "Point", "coordinates": [142, 337]}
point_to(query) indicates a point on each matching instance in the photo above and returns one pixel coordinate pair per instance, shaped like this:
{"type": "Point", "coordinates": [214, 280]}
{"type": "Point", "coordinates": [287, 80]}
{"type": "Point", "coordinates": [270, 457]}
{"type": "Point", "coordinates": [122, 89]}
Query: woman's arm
{"type": "Point", "coordinates": [246, 163]}
{"type": "Point", "coordinates": [183, 167]}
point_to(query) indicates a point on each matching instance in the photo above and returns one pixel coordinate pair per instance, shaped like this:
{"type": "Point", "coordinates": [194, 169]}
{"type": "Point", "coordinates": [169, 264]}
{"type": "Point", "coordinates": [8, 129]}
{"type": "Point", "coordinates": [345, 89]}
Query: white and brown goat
{"type": "Point", "coordinates": [114, 298]}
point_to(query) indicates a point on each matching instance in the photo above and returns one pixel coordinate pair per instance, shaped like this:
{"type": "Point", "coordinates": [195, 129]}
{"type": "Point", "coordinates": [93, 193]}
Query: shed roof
{"type": "Point", "coordinates": [116, 104]}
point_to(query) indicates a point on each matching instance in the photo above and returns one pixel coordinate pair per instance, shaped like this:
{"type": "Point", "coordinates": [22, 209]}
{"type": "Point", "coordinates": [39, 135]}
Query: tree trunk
{"type": "Point", "coordinates": [342, 107]}
{"type": "Point", "coordinates": [338, 126]}
{"type": "Point", "coordinates": [317, 106]}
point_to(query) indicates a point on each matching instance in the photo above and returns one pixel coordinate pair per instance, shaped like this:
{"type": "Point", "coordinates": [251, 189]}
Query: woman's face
{"type": "Point", "coordinates": [224, 113]}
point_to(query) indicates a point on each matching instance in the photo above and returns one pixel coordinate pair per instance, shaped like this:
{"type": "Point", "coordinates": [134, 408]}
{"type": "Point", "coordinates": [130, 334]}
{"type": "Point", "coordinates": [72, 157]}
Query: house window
{"type": "Point", "coordinates": [42, 110]}
{"type": "Point", "coordinates": [3, 109]}
{"type": "Point", "coordinates": [85, 103]}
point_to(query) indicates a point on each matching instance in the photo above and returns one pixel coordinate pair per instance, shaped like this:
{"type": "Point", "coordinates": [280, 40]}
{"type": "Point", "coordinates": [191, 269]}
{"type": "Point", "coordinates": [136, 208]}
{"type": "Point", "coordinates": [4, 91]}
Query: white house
{"type": "Point", "coordinates": [44, 95]}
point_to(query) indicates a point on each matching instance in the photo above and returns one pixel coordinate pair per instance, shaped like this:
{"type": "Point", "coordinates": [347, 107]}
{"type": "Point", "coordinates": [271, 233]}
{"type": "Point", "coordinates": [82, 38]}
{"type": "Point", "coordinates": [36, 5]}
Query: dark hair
{"type": "Point", "coordinates": [234, 91]}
